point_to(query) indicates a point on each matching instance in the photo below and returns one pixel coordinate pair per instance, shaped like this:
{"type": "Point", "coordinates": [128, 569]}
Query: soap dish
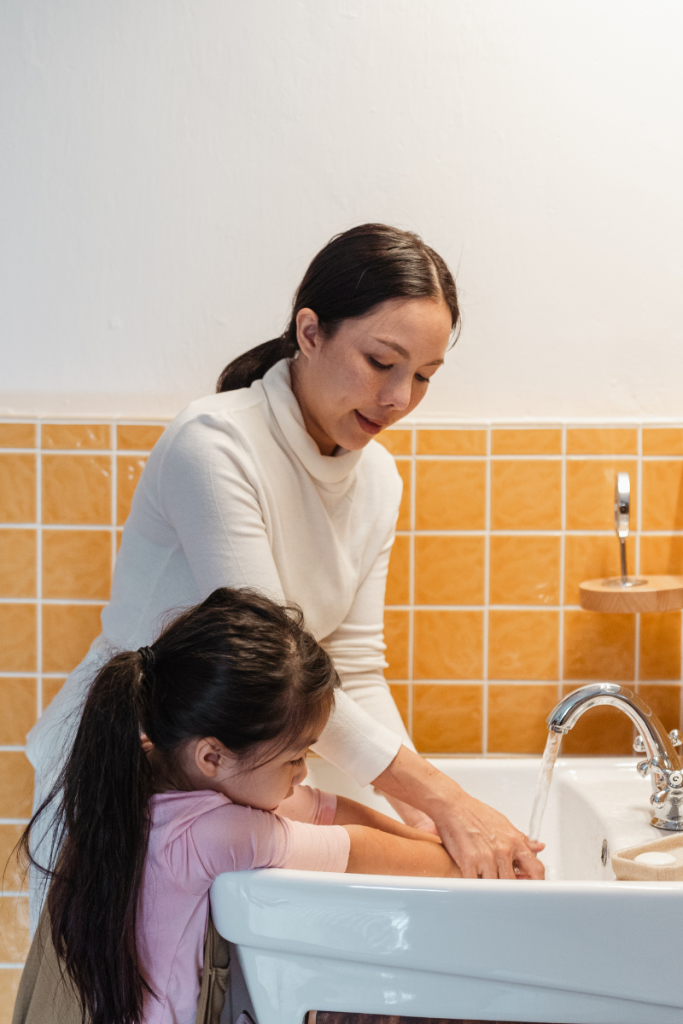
{"type": "Point", "coordinates": [627, 869]}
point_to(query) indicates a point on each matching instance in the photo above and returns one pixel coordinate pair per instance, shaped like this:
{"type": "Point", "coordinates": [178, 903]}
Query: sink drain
{"type": "Point", "coordinates": [604, 853]}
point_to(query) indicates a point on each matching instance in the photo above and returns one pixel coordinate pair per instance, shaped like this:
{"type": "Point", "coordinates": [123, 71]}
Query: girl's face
{"type": "Point", "coordinates": [371, 373]}
{"type": "Point", "coordinates": [210, 766]}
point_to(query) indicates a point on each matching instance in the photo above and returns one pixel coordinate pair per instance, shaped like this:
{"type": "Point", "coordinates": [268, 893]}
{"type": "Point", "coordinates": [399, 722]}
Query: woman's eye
{"type": "Point", "coordinates": [421, 379]}
{"type": "Point", "coordinates": [379, 366]}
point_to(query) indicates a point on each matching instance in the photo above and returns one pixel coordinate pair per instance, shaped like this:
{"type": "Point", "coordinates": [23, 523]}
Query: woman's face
{"type": "Point", "coordinates": [371, 373]}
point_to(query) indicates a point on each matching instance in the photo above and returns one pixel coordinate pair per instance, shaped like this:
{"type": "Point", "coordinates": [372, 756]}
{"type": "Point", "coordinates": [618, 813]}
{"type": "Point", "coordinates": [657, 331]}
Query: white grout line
{"type": "Point", "coordinates": [114, 493]}
{"type": "Point", "coordinates": [39, 570]}
{"type": "Point", "coordinates": [411, 580]}
{"type": "Point", "coordinates": [563, 535]}
{"type": "Point", "coordinates": [543, 608]}
{"type": "Point", "coordinates": [41, 602]}
{"type": "Point", "coordinates": [420, 533]}
{"type": "Point", "coordinates": [32, 675]}
{"type": "Point", "coordinates": [485, 624]}
{"type": "Point", "coordinates": [636, 567]}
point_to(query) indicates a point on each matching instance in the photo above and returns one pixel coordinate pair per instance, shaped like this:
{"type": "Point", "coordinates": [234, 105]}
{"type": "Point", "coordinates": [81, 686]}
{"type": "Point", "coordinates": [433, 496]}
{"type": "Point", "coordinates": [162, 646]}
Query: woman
{"type": "Point", "coordinates": [273, 483]}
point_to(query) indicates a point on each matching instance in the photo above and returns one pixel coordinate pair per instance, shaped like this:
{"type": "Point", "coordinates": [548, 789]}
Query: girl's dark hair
{"type": "Point", "coordinates": [351, 275]}
{"type": "Point", "coordinates": [239, 668]}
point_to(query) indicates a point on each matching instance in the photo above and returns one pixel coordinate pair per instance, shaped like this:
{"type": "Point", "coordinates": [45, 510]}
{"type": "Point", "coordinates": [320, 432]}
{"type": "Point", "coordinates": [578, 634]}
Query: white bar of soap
{"type": "Point", "coordinates": [655, 859]}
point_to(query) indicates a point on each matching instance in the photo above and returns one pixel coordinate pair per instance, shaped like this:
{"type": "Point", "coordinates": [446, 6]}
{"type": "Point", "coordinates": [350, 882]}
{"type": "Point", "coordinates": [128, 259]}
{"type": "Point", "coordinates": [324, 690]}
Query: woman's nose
{"type": "Point", "coordinates": [397, 393]}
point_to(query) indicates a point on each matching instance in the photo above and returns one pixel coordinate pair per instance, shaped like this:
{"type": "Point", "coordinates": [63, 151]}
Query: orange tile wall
{"type": "Point", "coordinates": [498, 527]}
{"type": "Point", "coordinates": [65, 491]}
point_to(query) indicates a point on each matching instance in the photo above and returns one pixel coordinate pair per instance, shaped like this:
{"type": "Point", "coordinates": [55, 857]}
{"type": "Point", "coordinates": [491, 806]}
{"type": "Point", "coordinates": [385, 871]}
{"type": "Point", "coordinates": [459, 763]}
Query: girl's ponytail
{"type": "Point", "coordinates": [103, 829]}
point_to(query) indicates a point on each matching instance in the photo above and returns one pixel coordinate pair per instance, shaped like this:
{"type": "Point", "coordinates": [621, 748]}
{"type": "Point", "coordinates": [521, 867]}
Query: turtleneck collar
{"type": "Point", "coordinates": [328, 469]}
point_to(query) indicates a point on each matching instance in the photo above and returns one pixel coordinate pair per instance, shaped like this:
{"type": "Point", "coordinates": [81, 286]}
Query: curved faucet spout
{"type": "Point", "coordinates": [656, 739]}
{"type": "Point", "coordinates": [663, 763]}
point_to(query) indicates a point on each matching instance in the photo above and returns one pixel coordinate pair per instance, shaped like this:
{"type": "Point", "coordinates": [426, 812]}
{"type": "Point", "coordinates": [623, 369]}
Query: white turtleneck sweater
{"type": "Point", "coordinates": [236, 493]}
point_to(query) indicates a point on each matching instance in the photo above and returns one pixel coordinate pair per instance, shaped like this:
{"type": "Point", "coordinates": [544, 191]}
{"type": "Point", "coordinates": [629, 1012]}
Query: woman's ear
{"type": "Point", "coordinates": [307, 331]}
{"type": "Point", "coordinates": [207, 756]}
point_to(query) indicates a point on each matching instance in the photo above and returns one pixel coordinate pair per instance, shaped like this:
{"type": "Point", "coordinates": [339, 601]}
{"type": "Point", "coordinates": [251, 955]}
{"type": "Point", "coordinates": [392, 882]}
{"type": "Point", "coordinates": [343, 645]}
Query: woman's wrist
{"type": "Point", "coordinates": [412, 779]}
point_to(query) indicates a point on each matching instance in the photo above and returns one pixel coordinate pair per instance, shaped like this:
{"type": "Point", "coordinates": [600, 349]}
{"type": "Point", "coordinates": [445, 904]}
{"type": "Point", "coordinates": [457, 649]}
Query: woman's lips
{"type": "Point", "coordinates": [367, 425]}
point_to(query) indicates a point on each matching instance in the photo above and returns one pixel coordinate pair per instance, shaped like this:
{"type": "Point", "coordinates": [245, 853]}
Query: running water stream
{"type": "Point", "coordinates": [552, 749]}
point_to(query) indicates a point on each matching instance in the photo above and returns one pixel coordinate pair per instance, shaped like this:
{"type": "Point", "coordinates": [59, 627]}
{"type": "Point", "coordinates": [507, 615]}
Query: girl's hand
{"type": "Point", "coordinates": [483, 843]}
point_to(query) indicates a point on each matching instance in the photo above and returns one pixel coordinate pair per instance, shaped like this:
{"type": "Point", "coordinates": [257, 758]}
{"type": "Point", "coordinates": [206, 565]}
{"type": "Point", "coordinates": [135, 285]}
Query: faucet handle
{"type": "Point", "coordinates": [639, 744]}
{"type": "Point", "coordinates": [675, 738]}
{"type": "Point", "coordinates": [643, 768]}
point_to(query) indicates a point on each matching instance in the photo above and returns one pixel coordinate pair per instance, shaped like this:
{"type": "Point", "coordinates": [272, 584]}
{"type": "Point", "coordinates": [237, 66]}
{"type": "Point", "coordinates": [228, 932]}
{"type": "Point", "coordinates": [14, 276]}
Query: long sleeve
{"type": "Point", "coordinates": [357, 649]}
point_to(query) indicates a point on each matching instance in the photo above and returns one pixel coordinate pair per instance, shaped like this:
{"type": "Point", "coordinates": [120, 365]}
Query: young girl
{"type": "Point", "coordinates": [187, 763]}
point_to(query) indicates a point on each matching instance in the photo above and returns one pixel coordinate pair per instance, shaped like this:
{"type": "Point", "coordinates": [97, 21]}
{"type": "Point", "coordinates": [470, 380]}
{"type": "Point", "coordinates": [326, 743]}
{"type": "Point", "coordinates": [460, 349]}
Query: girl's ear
{"type": "Point", "coordinates": [207, 756]}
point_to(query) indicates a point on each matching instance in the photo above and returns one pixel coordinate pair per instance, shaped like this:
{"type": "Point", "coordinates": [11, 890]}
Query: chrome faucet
{"type": "Point", "coordinates": [662, 762]}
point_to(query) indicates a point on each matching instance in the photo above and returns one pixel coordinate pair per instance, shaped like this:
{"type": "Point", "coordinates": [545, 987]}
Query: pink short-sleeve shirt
{"type": "Point", "coordinates": [195, 837]}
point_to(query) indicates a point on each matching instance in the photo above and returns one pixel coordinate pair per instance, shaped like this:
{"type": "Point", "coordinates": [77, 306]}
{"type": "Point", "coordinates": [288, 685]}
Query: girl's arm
{"type": "Point", "coordinates": [382, 846]}
{"type": "Point", "coordinates": [349, 812]}
{"type": "Point", "coordinates": [382, 853]}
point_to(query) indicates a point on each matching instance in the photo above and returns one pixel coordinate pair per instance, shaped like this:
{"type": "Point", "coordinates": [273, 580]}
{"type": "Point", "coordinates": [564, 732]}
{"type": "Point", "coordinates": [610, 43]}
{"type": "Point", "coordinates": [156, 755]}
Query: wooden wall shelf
{"type": "Point", "coordinates": [657, 594]}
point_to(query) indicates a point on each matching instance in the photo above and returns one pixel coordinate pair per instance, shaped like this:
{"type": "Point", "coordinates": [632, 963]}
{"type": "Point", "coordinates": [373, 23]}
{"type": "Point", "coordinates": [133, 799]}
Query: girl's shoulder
{"type": "Point", "coordinates": [179, 809]}
{"type": "Point", "coordinates": [195, 836]}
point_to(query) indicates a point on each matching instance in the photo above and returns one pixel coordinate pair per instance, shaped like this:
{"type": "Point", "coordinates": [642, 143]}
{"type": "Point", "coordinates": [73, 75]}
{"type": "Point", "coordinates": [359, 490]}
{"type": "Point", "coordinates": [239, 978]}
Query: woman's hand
{"type": "Point", "coordinates": [482, 842]}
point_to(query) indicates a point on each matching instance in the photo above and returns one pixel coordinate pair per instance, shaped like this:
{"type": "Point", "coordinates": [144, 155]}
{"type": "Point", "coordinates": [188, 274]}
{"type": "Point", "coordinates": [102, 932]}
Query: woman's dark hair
{"type": "Point", "coordinates": [239, 668]}
{"type": "Point", "coordinates": [351, 275]}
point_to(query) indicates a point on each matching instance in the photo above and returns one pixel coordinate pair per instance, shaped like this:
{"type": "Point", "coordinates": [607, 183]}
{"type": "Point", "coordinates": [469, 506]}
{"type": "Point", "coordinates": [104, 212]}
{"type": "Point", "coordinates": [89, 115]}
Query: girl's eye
{"type": "Point", "coordinates": [421, 379]}
{"type": "Point", "coordinates": [299, 761]}
{"type": "Point", "coordinates": [379, 366]}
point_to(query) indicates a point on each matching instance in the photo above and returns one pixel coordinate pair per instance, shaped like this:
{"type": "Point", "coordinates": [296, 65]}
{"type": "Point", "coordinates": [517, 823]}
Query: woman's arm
{"type": "Point", "coordinates": [374, 852]}
{"type": "Point", "coordinates": [480, 839]}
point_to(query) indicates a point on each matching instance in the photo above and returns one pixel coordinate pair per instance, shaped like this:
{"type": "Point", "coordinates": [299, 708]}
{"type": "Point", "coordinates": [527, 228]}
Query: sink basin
{"type": "Point", "coordinates": [578, 948]}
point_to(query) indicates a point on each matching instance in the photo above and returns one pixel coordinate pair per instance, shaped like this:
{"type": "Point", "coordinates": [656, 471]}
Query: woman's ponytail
{"type": "Point", "coordinates": [103, 827]}
{"type": "Point", "coordinates": [254, 364]}
{"type": "Point", "coordinates": [353, 273]}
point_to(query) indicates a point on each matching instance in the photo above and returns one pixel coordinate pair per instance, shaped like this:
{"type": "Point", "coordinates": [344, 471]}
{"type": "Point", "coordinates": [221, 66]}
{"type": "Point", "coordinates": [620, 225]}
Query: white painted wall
{"type": "Point", "coordinates": [168, 167]}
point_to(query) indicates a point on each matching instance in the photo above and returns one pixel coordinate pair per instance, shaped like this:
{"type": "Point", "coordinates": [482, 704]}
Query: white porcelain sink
{"type": "Point", "coordinates": [578, 948]}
